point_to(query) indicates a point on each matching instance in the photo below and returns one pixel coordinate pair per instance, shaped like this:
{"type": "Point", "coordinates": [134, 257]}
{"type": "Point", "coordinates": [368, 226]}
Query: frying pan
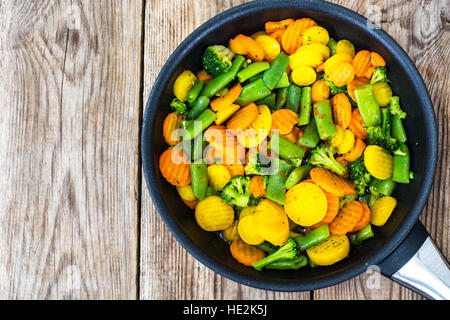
{"type": "Point", "coordinates": [402, 249]}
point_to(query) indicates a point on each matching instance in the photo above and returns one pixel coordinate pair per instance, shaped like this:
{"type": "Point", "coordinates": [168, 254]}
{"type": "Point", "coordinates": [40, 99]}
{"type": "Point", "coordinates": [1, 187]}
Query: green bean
{"type": "Point", "coordinates": [287, 150]}
{"type": "Point", "coordinates": [284, 82]}
{"type": "Point", "coordinates": [280, 101]}
{"type": "Point", "coordinates": [200, 105]}
{"type": "Point", "coordinates": [293, 98]}
{"type": "Point", "coordinates": [368, 105]}
{"type": "Point", "coordinates": [254, 91]}
{"type": "Point", "coordinates": [397, 129]}
{"type": "Point", "coordinates": [221, 81]}
{"type": "Point", "coordinates": [278, 67]}
{"type": "Point", "coordinates": [305, 107]}
{"type": "Point", "coordinates": [252, 70]}
{"type": "Point", "coordinates": [297, 175]}
{"type": "Point", "coordinates": [324, 120]}
{"type": "Point", "coordinates": [400, 173]}
{"type": "Point", "coordinates": [363, 235]}
{"type": "Point", "coordinates": [198, 146]}
{"type": "Point", "coordinates": [386, 187]}
{"type": "Point", "coordinates": [197, 126]}
{"type": "Point", "coordinates": [194, 93]}
{"type": "Point", "coordinates": [268, 101]}
{"type": "Point", "coordinates": [199, 179]}
{"type": "Point", "coordinates": [310, 137]}
{"type": "Point", "coordinates": [291, 264]}
{"type": "Point", "coordinates": [254, 78]}
{"type": "Point", "coordinates": [314, 237]}
{"type": "Point", "coordinates": [332, 44]}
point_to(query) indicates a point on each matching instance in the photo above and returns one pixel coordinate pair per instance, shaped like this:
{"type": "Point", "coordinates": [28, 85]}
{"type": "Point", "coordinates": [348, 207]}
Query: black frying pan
{"type": "Point", "coordinates": [399, 241]}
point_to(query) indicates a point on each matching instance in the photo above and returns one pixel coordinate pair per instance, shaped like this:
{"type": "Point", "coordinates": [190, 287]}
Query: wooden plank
{"type": "Point", "coordinates": [70, 129]}
{"type": "Point", "coordinates": [167, 270]}
{"type": "Point", "coordinates": [421, 28]}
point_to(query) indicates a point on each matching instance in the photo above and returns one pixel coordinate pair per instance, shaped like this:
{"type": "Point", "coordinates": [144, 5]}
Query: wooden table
{"type": "Point", "coordinates": [76, 219]}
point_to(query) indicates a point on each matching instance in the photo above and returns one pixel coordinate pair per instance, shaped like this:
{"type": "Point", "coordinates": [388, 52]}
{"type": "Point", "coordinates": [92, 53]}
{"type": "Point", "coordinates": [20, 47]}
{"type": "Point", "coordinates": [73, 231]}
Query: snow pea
{"type": "Point", "coordinates": [400, 173]}
{"type": "Point", "coordinates": [268, 101]}
{"type": "Point", "coordinates": [297, 175]}
{"type": "Point", "coordinates": [287, 150]}
{"type": "Point", "coordinates": [199, 106]}
{"type": "Point", "coordinates": [197, 126]}
{"type": "Point", "coordinates": [397, 129]}
{"type": "Point", "coordinates": [314, 237]}
{"type": "Point", "coordinates": [324, 120]}
{"type": "Point", "coordinates": [293, 98]}
{"type": "Point", "coordinates": [278, 67]}
{"type": "Point", "coordinates": [280, 101]}
{"type": "Point", "coordinates": [199, 179]}
{"type": "Point", "coordinates": [368, 105]}
{"type": "Point", "coordinates": [276, 190]}
{"type": "Point", "coordinates": [291, 264]}
{"type": "Point", "coordinates": [310, 137]}
{"type": "Point", "coordinates": [254, 91]}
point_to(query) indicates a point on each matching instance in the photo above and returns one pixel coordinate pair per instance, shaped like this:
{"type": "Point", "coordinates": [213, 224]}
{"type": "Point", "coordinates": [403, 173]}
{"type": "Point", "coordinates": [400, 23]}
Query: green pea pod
{"type": "Point", "coordinates": [363, 235]}
{"type": "Point", "coordinates": [280, 101]}
{"type": "Point", "coordinates": [284, 81]}
{"type": "Point", "coordinates": [305, 107]}
{"type": "Point", "coordinates": [287, 150]}
{"type": "Point", "coordinates": [293, 98]}
{"type": "Point", "coordinates": [276, 190]}
{"type": "Point", "coordinates": [221, 81]}
{"type": "Point", "coordinates": [297, 175]}
{"type": "Point", "coordinates": [324, 120]}
{"type": "Point", "coordinates": [199, 179]}
{"type": "Point", "coordinates": [314, 237]}
{"type": "Point", "coordinates": [252, 70]}
{"type": "Point", "coordinates": [254, 91]}
{"type": "Point", "coordinates": [386, 187]}
{"type": "Point", "coordinates": [200, 105]}
{"type": "Point", "coordinates": [195, 92]}
{"type": "Point", "coordinates": [397, 129]}
{"type": "Point", "coordinates": [278, 67]}
{"type": "Point", "coordinates": [310, 138]}
{"type": "Point", "coordinates": [368, 105]}
{"type": "Point", "coordinates": [400, 173]}
{"type": "Point", "coordinates": [268, 101]}
{"type": "Point", "coordinates": [197, 126]}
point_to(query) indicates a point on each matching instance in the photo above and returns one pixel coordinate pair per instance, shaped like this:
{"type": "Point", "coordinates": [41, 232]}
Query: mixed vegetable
{"type": "Point", "coordinates": [288, 143]}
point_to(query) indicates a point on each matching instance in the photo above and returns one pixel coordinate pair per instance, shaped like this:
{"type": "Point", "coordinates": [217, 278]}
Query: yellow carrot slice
{"type": "Point", "coordinates": [379, 162]}
{"type": "Point", "coordinates": [382, 210]}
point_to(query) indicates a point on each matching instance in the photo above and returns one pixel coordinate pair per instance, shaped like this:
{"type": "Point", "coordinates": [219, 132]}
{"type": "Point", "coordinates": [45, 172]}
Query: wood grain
{"type": "Point", "coordinates": [420, 28]}
{"type": "Point", "coordinates": [69, 166]}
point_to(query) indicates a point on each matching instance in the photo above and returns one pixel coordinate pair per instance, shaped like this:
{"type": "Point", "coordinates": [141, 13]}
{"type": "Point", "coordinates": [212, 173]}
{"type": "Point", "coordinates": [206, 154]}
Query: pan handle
{"type": "Point", "coordinates": [418, 264]}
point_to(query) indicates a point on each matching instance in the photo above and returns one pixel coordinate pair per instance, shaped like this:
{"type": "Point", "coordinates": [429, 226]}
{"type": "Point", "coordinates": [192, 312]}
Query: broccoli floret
{"type": "Point", "coordinates": [178, 106]}
{"type": "Point", "coordinates": [258, 165]}
{"type": "Point", "coordinates": [359, 175]}
{"type": "Point", "coordinates": [377, 136]}
{"type": "Point", "coordinates": [253, 202]}
{"type": "Point", "coordinates": [237, 191]}
{"type": "Point", "coordinates": [334, 89]}
{"type": "Point", "coordinates": [379, 75]}
{"type": "Point", "coordinates": [323, 156]}
{"type": "Point", "coordinates": [286, 252]}
{"type": "Point", "coordinates": [374, 194]}
{"type": "Point", "coordinates": [217, 60]}
{"type": "Point", "coordinates": [395, 109]}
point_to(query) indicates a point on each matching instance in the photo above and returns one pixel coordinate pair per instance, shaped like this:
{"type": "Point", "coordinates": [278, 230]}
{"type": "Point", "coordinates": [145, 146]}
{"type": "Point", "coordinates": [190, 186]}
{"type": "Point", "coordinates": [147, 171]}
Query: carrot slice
{"type": "Point", "coordinates": [272, 26]}
{"type": "Point", "coordinates": [347, 218]}
{"type": "Point", "coordinates": [293, 36]}
{"type": "Point", "coordinates": [356, 152]}
{"type": "Point", "coordinates": [284, 120]}
{"type": "Point", "coordinates": [357, 125]}
{"type": "Point", "coordinates": [277, 35]}
{"type": "Point", "coordinates": [174, 166]}
{"type": "Point", "coordinates": [236, 169]}
{"type": "Point", "coordinates": [342, 110]}
{"type": "Point", "coordinates": [245, 253]}
{"type": "Point", "coordinates": [247, 46]}
{"type": "Point", "coordinates": [356, 83]}
{"type": "Point", "coordinates": [331, 182]}
{"type": "Point", "coordinates": [365, 218]}
{"type": "Point", "coordinates": [361, 62]}
{"type": "Point", "coordinates": [190, 204]}
{"type": "Point", "coordinates": [377, 60]}
{"type": "Point", "coordinates": [203, 76]}
{"type": "Point", "coordinates": [257, 187]}
{"type": "Point", "coordinates": [231, 96]}
{"type": "Point", "coordinates": [243, 118]}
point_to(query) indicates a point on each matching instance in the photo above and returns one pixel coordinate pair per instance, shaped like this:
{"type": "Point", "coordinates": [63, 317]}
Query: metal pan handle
{"type": "Point", "coordinates": [418, 264]}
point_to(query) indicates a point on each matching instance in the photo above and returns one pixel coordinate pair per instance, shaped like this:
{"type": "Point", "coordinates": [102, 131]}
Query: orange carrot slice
{"type": "Point", "coordinates": [365, 218]}
{"type": "Point", "coordinates": [174, 166]}
{"type": "Point", "coordinates": [257, 187]}
{"type": "Point", "coordinates": [342, 110]}
{"type": "Point", "coordinates": [243, 118]}
{"type": "Point", "coordinates": [361, 62]}
{"type": "Point", "coordinates": [331, 182]}
{"type": "Point", "coordinates": [228, 99]}
{"type": "Point", "coordinates": [284, 120]}
{"type": "Point", "coordinates": [346, 219]}
{"type": "Point", "coordinates": [245, 253]}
